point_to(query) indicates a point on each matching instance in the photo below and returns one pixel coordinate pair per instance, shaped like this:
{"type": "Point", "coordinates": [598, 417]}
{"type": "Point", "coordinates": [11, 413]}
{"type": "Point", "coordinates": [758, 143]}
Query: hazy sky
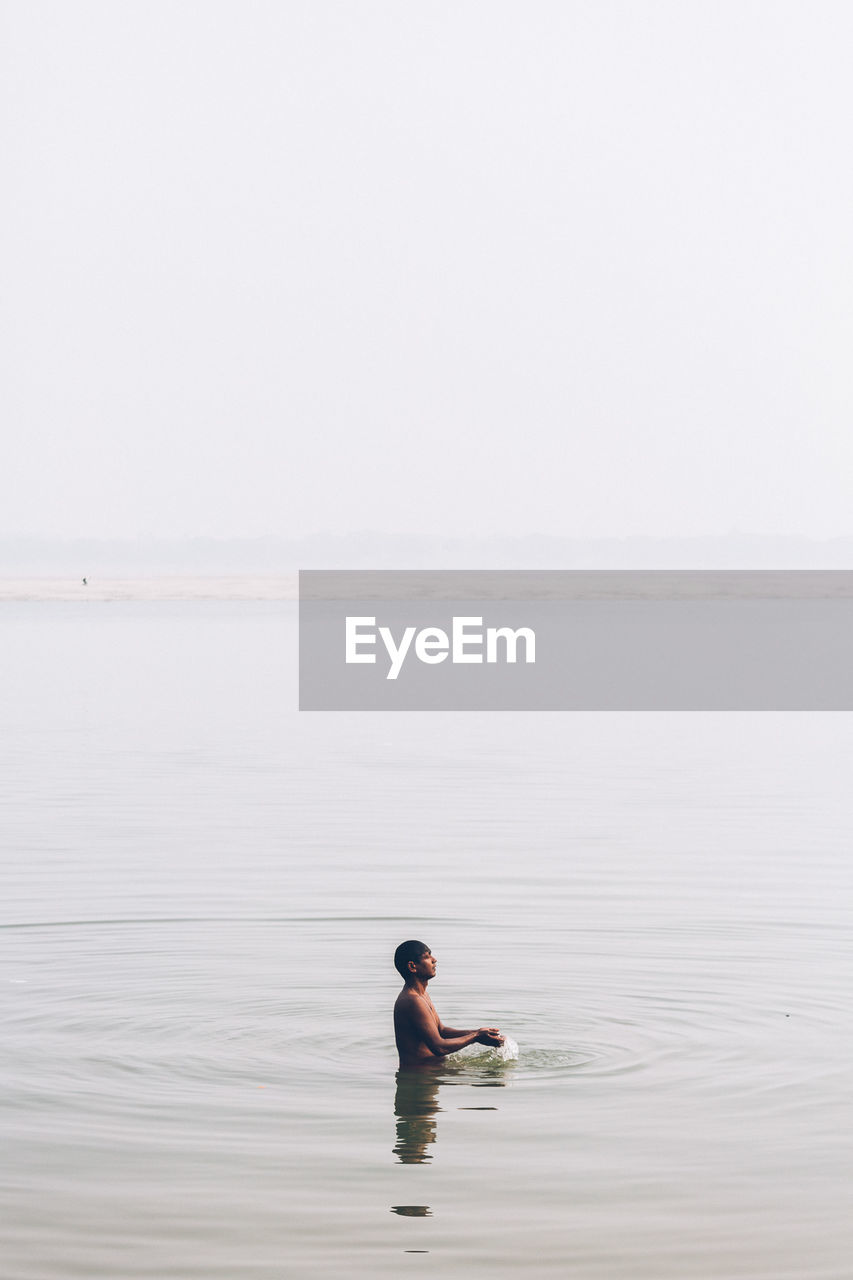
{"type": "Point", "coordinates": [569, 268]}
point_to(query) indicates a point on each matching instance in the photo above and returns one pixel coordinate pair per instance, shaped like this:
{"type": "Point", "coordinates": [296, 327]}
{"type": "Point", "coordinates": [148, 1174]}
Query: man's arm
{"type": "Point", "coordinates": [483, 1035]}
{"type": "Point", "coordinates": [436, 1038]}
{"type": "Point", "coordinates": [450, 1033]}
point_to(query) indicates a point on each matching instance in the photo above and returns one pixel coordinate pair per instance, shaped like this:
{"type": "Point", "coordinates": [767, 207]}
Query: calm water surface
{"type": "Point", "coordinates": [201, 892]}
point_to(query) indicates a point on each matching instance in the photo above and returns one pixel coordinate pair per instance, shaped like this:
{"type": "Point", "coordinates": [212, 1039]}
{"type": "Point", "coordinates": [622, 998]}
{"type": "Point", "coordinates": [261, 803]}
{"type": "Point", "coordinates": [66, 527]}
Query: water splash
{"type": "Point", "coordinates": [508, 1051]}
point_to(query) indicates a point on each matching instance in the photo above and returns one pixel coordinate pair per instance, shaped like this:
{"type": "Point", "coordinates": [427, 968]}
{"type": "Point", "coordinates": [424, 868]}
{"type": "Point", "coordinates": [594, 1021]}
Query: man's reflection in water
{"type": "Point", "coordinates": [415, 1106]}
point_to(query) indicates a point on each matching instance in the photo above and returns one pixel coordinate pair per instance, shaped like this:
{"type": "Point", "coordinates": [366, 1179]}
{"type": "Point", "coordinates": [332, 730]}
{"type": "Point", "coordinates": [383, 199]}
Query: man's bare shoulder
{"type": "Point", "coordinates": [408, 1001]}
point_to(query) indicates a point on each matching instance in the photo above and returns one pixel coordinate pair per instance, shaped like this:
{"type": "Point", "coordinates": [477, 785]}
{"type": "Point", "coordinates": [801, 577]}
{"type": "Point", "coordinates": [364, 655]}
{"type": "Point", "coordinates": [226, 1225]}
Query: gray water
{"type": "Point", "coordinates": [201, 893]}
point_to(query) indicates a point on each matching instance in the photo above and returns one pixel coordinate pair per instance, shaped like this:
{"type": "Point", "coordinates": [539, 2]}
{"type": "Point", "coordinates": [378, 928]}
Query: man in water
{"type": "Point", "coordinates": [420, 1034]}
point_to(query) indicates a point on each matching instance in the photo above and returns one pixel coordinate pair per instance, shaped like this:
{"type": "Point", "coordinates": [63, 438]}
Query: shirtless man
{"type": "Point", "coordinates": [420, 1034]}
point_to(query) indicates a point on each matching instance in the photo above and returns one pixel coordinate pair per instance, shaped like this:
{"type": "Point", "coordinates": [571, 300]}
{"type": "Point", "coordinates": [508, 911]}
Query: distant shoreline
{"type": "Point", "coordinates": [160, 587]}
{"type": "Point", "coordinates": [547, 585]}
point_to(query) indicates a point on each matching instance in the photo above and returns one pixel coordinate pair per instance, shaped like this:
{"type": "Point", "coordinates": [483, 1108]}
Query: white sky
{"type": "Point", "coordinates": [569, 268]}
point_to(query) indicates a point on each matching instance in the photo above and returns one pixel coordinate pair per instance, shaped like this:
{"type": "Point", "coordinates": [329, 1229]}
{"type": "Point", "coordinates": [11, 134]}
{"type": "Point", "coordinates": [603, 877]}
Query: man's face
{"type": "Point", "coordinates": [424, 968]}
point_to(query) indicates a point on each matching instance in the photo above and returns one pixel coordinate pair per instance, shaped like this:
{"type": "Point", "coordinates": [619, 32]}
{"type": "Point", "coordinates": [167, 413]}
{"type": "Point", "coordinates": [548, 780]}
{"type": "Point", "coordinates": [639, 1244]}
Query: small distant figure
{"type": "Point", "coordinates": [420, 1034]}
{"type": "Point", "coordinates": [85, 582]}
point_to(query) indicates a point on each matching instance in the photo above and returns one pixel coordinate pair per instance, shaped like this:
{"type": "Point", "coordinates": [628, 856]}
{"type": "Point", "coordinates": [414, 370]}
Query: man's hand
{"type": "Point", "coordinates": [490, 1036]}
